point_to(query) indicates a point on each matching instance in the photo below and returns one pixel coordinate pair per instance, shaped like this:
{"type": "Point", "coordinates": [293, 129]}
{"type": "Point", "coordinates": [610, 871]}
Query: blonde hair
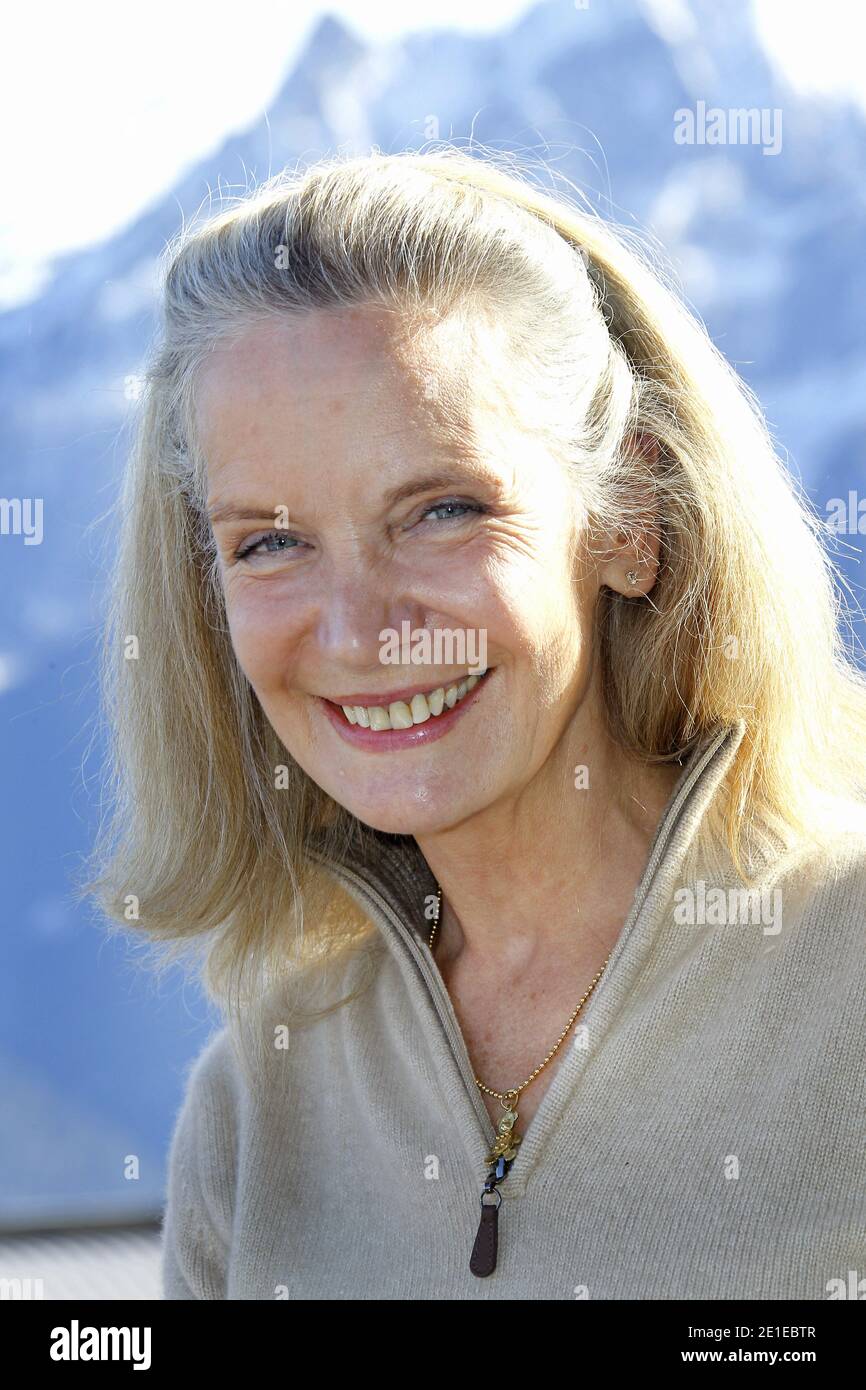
{"type": "Point", "coordinates": [742, 622]}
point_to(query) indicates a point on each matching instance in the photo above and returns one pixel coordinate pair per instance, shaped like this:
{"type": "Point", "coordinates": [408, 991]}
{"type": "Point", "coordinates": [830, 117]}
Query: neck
{"type": "Point", "coordinates": [553, 868]}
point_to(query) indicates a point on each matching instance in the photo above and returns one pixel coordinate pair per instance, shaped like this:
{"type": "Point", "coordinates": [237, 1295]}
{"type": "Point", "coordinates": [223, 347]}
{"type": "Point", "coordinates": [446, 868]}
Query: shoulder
{"type": "Point", "coordinates": [213, 1091]}
{"type": "Point", "coordinates": [213, 1103]}
{"type": "Point", "coordinates": [822, 897]}
{"type": "Point", "coordinates": [836, 874]}
{"type": "Point", "coordinates": [211, 1076]}
{"type": "Point", "coordinates": [201, 1175]}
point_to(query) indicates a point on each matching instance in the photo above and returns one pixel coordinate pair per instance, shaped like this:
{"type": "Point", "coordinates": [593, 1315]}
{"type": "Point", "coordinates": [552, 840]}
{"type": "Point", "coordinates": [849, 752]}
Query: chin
{"type": "Point", "coordinates": [399, 819]}
{"type": "Point", "coordinates": [419, 810]}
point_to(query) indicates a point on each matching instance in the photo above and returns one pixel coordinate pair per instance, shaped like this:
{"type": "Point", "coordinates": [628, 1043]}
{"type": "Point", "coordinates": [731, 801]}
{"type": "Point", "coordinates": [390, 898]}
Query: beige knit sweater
{"type": "Point", "coordinates": [702, 1138]}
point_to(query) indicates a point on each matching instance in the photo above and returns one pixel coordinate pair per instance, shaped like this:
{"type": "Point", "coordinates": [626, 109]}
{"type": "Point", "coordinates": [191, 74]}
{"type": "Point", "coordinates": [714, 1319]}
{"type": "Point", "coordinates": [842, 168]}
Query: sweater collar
{"type": "Point", "coordinates": [394, 867]}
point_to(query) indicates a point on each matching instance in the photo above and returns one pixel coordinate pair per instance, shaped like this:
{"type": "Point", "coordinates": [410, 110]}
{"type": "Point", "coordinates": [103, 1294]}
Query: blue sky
{"type": "Point", "coordinates": [105, 103]}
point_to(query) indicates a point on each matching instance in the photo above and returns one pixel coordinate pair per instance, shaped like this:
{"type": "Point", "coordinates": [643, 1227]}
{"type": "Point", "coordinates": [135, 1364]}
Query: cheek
{"type": "Point", "coordinates": [537, 598]}
{"type": "Point", "coordinates": [262, 632]}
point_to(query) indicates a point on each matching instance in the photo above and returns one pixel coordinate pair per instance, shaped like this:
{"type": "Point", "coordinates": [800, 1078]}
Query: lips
{"type": "Point", "coordinates": [408, 734]}
{"type": "Point", "coordinates": [388, 697]}
{"type": "Point", "coordinates": [403, 714]}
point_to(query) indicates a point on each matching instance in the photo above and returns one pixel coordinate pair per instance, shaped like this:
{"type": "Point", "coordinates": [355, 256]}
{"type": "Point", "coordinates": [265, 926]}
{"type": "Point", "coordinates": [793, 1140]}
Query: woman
{"type": "Point", "coordinates": [490, 729]}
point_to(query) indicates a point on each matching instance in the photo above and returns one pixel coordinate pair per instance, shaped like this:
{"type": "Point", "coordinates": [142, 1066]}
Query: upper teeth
{"type": "Point", "coordinates": [401, 715]}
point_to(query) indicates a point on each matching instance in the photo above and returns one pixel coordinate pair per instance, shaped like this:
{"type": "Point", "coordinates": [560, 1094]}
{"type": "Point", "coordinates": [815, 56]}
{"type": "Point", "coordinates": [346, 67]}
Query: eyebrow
{"type": "Point", "coordinates": [229, 512]}
{"type": "Point", "coordinates": [444, 478]}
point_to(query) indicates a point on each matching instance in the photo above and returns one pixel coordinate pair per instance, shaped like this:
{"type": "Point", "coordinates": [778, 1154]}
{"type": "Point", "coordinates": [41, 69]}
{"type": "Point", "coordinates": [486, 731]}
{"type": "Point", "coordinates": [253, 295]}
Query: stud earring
{"type": "Point", "coordinates": [632, 577]}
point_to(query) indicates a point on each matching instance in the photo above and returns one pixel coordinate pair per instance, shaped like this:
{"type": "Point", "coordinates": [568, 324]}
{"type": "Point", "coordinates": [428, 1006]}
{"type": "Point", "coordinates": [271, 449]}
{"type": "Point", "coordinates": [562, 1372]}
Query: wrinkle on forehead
{"type": "Point", "coordinates": [433, 365]}
{"type": "Point", "coordinates": [446, 384]}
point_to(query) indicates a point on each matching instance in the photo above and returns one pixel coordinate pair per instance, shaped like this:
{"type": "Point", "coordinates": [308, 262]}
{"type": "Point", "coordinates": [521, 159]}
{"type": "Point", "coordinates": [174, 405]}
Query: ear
{"type": "Point", "coordinates": [629, 565]}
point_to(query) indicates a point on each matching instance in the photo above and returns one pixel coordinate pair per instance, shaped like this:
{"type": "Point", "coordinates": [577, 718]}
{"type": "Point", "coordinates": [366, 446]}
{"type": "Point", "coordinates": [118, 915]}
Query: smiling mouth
{"type": "Point", "coordinates": [405, 714]}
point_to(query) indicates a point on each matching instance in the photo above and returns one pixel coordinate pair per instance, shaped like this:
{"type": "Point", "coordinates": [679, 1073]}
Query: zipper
{"type": "Point", "coordinates": [484, 1251]}
{"type": "Point", "coordinates": [482, 1261]}
{"type": "Point", "coordinates": [433, 980]}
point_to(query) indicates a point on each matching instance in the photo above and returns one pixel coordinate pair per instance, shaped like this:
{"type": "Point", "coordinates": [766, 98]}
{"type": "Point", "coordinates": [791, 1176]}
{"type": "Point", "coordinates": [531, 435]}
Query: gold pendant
{"type": "Point", "coordinates": [506, 1143]}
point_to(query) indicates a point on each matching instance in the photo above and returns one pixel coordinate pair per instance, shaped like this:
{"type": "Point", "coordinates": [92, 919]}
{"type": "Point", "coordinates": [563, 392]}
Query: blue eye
{"type": "Point", "coordinates": [446, 506]}
{"type": "Point", "coordinates": [283, 542]}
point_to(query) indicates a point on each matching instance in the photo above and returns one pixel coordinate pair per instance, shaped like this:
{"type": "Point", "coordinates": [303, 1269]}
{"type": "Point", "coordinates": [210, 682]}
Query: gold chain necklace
{"type": "Point", "coordinates": [507, 1140]}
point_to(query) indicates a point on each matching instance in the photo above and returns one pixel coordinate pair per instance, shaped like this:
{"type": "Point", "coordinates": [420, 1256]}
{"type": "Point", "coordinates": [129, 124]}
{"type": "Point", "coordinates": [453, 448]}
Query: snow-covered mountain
{"type": "Point", "coordinates": [769, 248]}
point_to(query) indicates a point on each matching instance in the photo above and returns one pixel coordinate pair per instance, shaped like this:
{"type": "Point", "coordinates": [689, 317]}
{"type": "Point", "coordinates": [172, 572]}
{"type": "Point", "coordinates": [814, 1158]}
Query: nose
{"type": "Point", "coordinates": [361, 598]}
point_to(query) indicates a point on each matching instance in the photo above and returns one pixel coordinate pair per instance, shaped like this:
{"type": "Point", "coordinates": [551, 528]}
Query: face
{"type": "Point", "coordinates": [383, 489]}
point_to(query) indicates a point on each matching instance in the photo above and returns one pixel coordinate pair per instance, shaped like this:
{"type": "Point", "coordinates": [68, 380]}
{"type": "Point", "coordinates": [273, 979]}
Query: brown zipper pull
{"type": "Point", "coordinates": [483, 1261]}
{"type": "Point", "coordinates": [483, 1258]}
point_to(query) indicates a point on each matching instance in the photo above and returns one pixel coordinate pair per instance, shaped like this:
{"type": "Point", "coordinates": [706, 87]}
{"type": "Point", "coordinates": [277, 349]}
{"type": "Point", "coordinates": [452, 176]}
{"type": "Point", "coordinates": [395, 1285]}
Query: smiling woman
{"type": "Point", "coordinates": [447, 908]}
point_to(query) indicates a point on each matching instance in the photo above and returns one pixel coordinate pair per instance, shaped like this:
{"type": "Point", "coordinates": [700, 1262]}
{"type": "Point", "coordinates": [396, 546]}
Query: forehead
{"type": "Point", "coordinates": [325, 351]}
{"type": "Point", "coordinates": [352, 373]}
{"type": "Point", "coordinates": [336, 400]}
